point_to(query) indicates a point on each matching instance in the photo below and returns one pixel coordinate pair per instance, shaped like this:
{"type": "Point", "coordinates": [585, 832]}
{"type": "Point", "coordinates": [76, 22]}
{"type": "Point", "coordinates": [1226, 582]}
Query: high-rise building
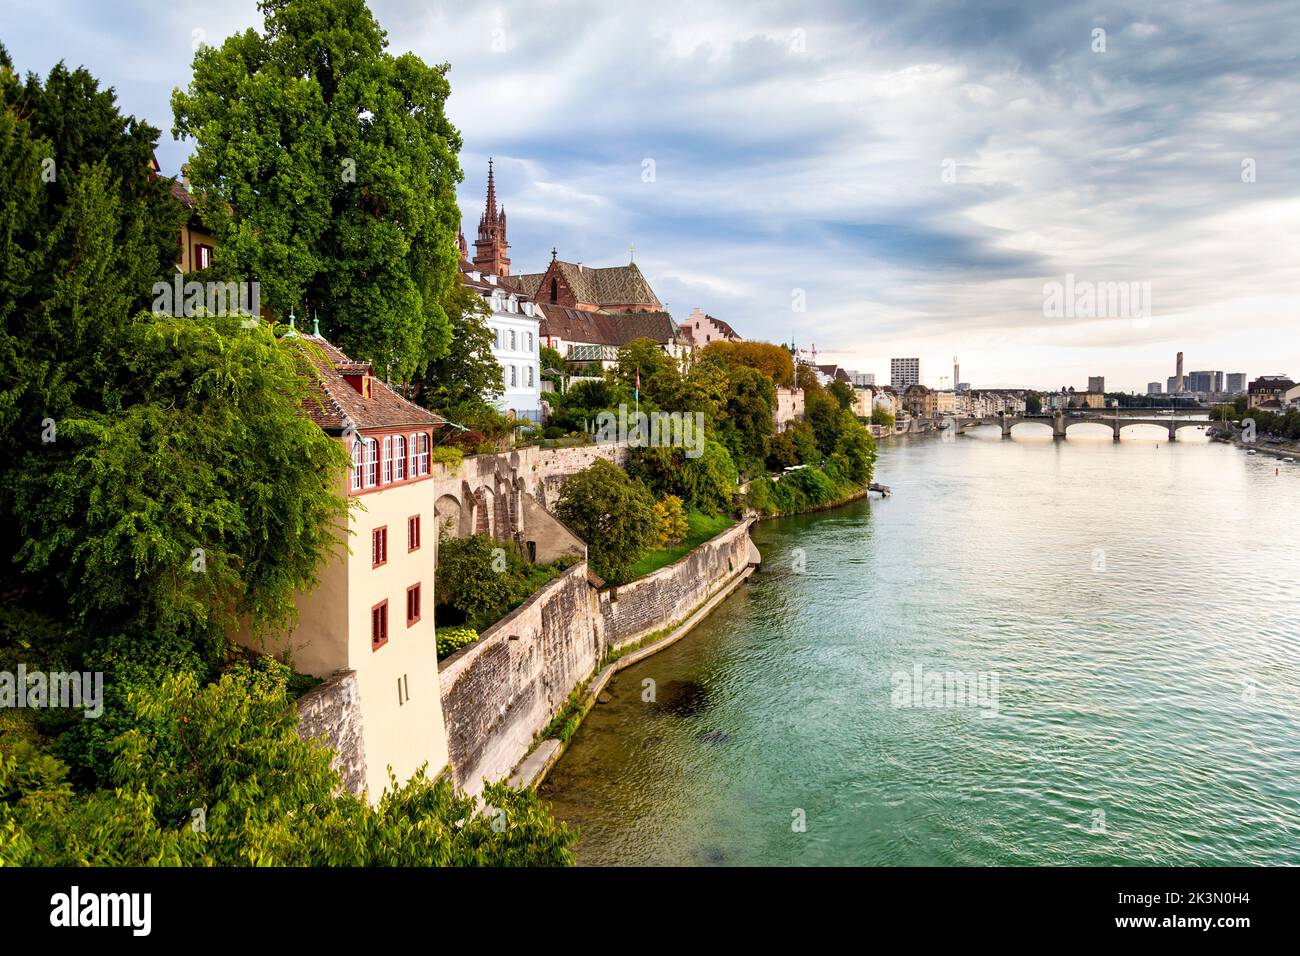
{"type": "Point", "coordinates": [1179, 381]}
{"type": "Point", "coordinates": [1236, 382]}
{"type": "Point", "coordinates": [1153, 388]}
{"type": "Point", "coordinates": [904, 372]}
{"type": "Point", "coordinates": [1218, 381]}
{"type": "Point", "coordinates": [956, 371]}
{"type": "Point", "coordinates": [861, 379]}
{"type": "Point", "coordinates": [1096, 383]}
{"type": "Point", "coordinates": [1172, 385]}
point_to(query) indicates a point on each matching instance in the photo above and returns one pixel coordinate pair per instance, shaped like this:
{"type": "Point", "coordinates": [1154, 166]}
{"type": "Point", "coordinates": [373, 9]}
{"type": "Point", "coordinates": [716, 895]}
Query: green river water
{"type": "Point", "coordinates": [1124, 617]}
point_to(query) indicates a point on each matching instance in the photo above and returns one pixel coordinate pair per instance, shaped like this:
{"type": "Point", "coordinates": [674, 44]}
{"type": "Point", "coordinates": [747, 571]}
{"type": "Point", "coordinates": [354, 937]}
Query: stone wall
{"type": "Point", "coordinates": [331, 713]}
{"type": "Point", "coordinates": [648, 604]}
{"type": "Point", "coordinates": [499, 692]}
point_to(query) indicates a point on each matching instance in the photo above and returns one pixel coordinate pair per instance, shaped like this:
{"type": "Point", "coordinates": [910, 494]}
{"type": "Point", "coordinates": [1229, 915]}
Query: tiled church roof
{"type": "Point", "coordinates": [610, 286]}
{"type": "Point", "coordinates": [607, 328]}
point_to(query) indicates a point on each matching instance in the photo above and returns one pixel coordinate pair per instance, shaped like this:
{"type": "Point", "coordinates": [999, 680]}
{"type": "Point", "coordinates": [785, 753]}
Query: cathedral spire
{"type": "Point", "coordinates": [491, 245]}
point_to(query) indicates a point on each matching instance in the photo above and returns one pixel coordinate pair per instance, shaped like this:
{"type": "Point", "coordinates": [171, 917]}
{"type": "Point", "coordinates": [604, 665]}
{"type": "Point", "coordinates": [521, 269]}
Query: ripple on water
{"type": "Point", "coordinates": [1147, 696]}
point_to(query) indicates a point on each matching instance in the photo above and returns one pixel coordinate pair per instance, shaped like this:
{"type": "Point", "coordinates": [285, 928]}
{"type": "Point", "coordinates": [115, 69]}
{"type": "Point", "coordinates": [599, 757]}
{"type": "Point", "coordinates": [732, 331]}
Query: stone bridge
{"type": "Point", "coordinates": [1060, 423]}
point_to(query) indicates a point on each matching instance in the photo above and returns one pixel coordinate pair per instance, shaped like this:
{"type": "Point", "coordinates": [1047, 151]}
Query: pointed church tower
{"type": "Point", "coordinates": [490, 246]}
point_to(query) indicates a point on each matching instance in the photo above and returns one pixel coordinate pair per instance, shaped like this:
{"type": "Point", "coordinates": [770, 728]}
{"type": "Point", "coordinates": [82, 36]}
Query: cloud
{"type": "Point", "coordinates": [803, 146]}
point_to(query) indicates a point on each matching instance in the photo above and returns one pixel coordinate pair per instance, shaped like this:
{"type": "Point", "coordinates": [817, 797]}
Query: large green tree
{"type": "Point", "coordinates": [328, 167]}
{"type": "Point", "coordinates": [467, 374]}
{"type": "Point", "coordinates": [612, 513]}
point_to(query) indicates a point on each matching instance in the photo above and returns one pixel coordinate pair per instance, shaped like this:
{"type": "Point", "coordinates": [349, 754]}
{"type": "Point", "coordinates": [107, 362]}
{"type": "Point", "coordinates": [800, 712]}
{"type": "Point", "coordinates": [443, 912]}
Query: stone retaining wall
{"type": "Point", "coordinates": [331, 712]}
{"type": "Point", "coordinates": [501, 691]}
{"type": "Point", "coordinates": [631, 611]}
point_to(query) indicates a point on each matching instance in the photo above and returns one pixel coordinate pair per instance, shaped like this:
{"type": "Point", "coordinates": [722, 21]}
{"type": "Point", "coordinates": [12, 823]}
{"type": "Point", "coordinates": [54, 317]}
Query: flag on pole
{"type": "Point", "coordinates": [637, 391]}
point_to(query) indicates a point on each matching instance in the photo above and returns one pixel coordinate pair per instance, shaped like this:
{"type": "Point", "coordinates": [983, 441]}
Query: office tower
{"type": "Point", "coordinates": [904, 372]}
{"type": "Point", "coordinates": [1153, 388]}
{"type": "Point", "coordinates": [1236, 382]}
{"type": "Point", "coordinates": [1179, 381]}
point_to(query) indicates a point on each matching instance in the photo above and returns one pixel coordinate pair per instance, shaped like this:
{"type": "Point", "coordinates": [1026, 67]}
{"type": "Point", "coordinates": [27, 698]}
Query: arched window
{"type": "Point", "coordinates": [555, 291]}
{"type": "Point", "coordinates": [399, 458]}
{"type": "Point", "coordinates": [388, 459]}
{"type": "Point", "coordinates": [423, 439]}
{"type": "Point", "coordinates": [356, 465]}
{"type": "Point", "coordinates": [372, 463]}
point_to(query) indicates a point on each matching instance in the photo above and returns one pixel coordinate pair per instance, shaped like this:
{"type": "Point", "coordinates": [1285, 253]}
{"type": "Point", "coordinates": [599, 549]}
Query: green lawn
{"type": "Point", "coordinates": [701, 529]}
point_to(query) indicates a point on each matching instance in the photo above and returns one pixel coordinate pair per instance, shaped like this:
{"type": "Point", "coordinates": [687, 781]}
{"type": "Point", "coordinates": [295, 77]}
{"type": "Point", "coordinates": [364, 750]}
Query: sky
{"type": "Point", "coordinates": [875, 179]}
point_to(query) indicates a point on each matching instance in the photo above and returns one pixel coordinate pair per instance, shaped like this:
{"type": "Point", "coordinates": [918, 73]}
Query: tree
{"type": "Point", "coordinates": [707, 482]}
{"type": "Point", "coordinates": [670, 521]}
{"type": "Point", "coordinates": [774, 361]}
{"type": "Point", "coordinates": [843, 393]}
{"type": "Point", "coordinates": [881, 417]}
{"type": "Point", "coordinates": [328, 168]}
{"type": "Point", "coordinates": [1033, 404]}
{"type": "Point", "coordinates": [612, 513]}
{"type": "Point", "coordinates": [657, 370]}
{"type": "Point", "coordinates": [267, 798]}
{"type": "Point", "coordinates": [468, 373]}
{"type": "Point", "coordinates": [854, 457]}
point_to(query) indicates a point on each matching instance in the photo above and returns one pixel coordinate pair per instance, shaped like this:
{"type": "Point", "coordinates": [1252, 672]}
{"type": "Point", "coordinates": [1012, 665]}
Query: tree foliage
{"type": "Point", "coordinates": [328, 168]}
{"type": "Point", "coordinates": [264, 797]}
{"type": "Point", "coordinates": [612, 513]}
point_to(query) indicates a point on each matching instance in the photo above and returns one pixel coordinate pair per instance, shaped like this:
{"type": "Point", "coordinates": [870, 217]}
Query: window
{"type": "Point", "coordinates": [530, 376]}
{"type": "Point", "coordinates": [423, 457]}
{"type": "Point", "coordinates": [403, 690]}
{"type": "Point", "coordinates": [413, 533]}
{"type": "Point", "coordinates": [379, 625]}
{"type": "Point", "coordinates": [413, 444]}
{"type": "Point", "coordinates": [357, 451]}
{"type": "Point", "coordinates": [555, 290]}
{"type": "Point", "coordinates": [412, 604]}
{"type": "Point", "coordinates": [372, 462]}
{"type": "Point", "coordinates": [203, 257]}
{"type": "Point", "coordinates": [399, 457]}
{"type": "Point", "coordinates": [512, 340]}
{"type": "Point", "coordinates": [514, 376]}
{"type": "Point", "coordinates": [388, 459]}
{"type": "Point", "coordinates": [529, 336]}
{"type": "Point", "coordinates": [379, 547]}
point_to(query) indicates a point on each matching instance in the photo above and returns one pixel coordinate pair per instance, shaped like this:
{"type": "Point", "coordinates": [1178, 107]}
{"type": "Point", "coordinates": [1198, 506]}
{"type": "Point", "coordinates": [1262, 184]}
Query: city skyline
{"type": "Point", "coordinates": [925, 184]}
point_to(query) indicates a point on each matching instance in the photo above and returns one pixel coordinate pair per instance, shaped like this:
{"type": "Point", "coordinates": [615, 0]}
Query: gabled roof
{"type": "Point", "coordinates": [341, 405]}
{"type": "Point", "coordinates": [607, 328]}
{"type": "Point", "coordinates": [610, 286]}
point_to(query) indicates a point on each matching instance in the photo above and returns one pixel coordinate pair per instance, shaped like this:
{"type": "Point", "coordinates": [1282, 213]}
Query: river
{"type": "Point", "coordinates": [1113, 632]}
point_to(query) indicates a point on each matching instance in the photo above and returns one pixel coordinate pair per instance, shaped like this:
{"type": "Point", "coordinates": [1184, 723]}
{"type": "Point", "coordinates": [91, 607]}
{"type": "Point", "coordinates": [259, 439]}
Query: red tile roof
{"type": "Point", "coordinates": [606, 328]}
{"type": "Point", "coordinates": [340, 404]}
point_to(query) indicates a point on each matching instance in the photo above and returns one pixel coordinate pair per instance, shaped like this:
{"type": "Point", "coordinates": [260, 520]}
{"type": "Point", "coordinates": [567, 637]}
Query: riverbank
{"type": "Point", "coordinates": [506, 697]}
{"type": "Point", "coordinates": [1120, 698]}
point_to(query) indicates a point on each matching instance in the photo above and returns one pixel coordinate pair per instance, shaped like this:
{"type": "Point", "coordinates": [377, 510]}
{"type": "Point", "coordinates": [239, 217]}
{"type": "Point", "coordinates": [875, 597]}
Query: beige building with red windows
{"type": "Point", "coordinates": [372, 612]}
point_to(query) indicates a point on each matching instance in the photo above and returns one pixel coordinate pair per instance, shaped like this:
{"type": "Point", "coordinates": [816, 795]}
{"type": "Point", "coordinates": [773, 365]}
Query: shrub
{"type": "Point", "coordinates": [670, 521]}
{"type": "Point", "coordinates": [554, 431]}
{"type": "Point", "coordinates": [612, 513]}
{"type": "Point", "coordinates": [447, 455]}
{"type": "Point", "coordinates": [452, 639]}
{"type": "Point", "coordinates": [707, 483]}
{"type": "Point", "coordinates": [477, 576]}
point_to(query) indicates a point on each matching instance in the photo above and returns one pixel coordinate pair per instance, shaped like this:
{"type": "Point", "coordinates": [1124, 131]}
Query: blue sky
{"type": "Point", "coordinates": [799, 153]}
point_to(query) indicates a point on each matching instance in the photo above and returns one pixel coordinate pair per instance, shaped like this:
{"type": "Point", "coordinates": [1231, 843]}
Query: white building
{"type": "Point", "coordinates": [515, 326]}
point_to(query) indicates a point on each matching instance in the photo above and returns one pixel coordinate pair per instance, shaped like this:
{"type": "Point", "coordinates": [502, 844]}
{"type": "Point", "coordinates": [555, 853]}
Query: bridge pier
{"type": "Point", "coordinates": [1115, 429]}
{"type": "Point", "coordinates": [1173, 432]}
{"type": "Point", "coordinates": [1058, 425]}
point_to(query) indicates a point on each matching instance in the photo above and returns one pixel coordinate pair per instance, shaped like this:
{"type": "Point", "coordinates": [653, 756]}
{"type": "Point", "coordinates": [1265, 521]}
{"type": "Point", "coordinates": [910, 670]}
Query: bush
{"type": "Point", "coordinates": [670, 521]}
{"type": "Point", "coordinates": [612, 513]}
{"type": "Point", "coordinates": [447, 455]}
{"type": "Point", "coordinates": [452, 639]}
{"type": "Point", "coordinates": [478, 577]}
{"type": "Point", "coordinates": [553, 431]}
{"type": "Point", "coordinates": [706, 483]}
{"type": "Point", "coordinates": [269, 797]}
